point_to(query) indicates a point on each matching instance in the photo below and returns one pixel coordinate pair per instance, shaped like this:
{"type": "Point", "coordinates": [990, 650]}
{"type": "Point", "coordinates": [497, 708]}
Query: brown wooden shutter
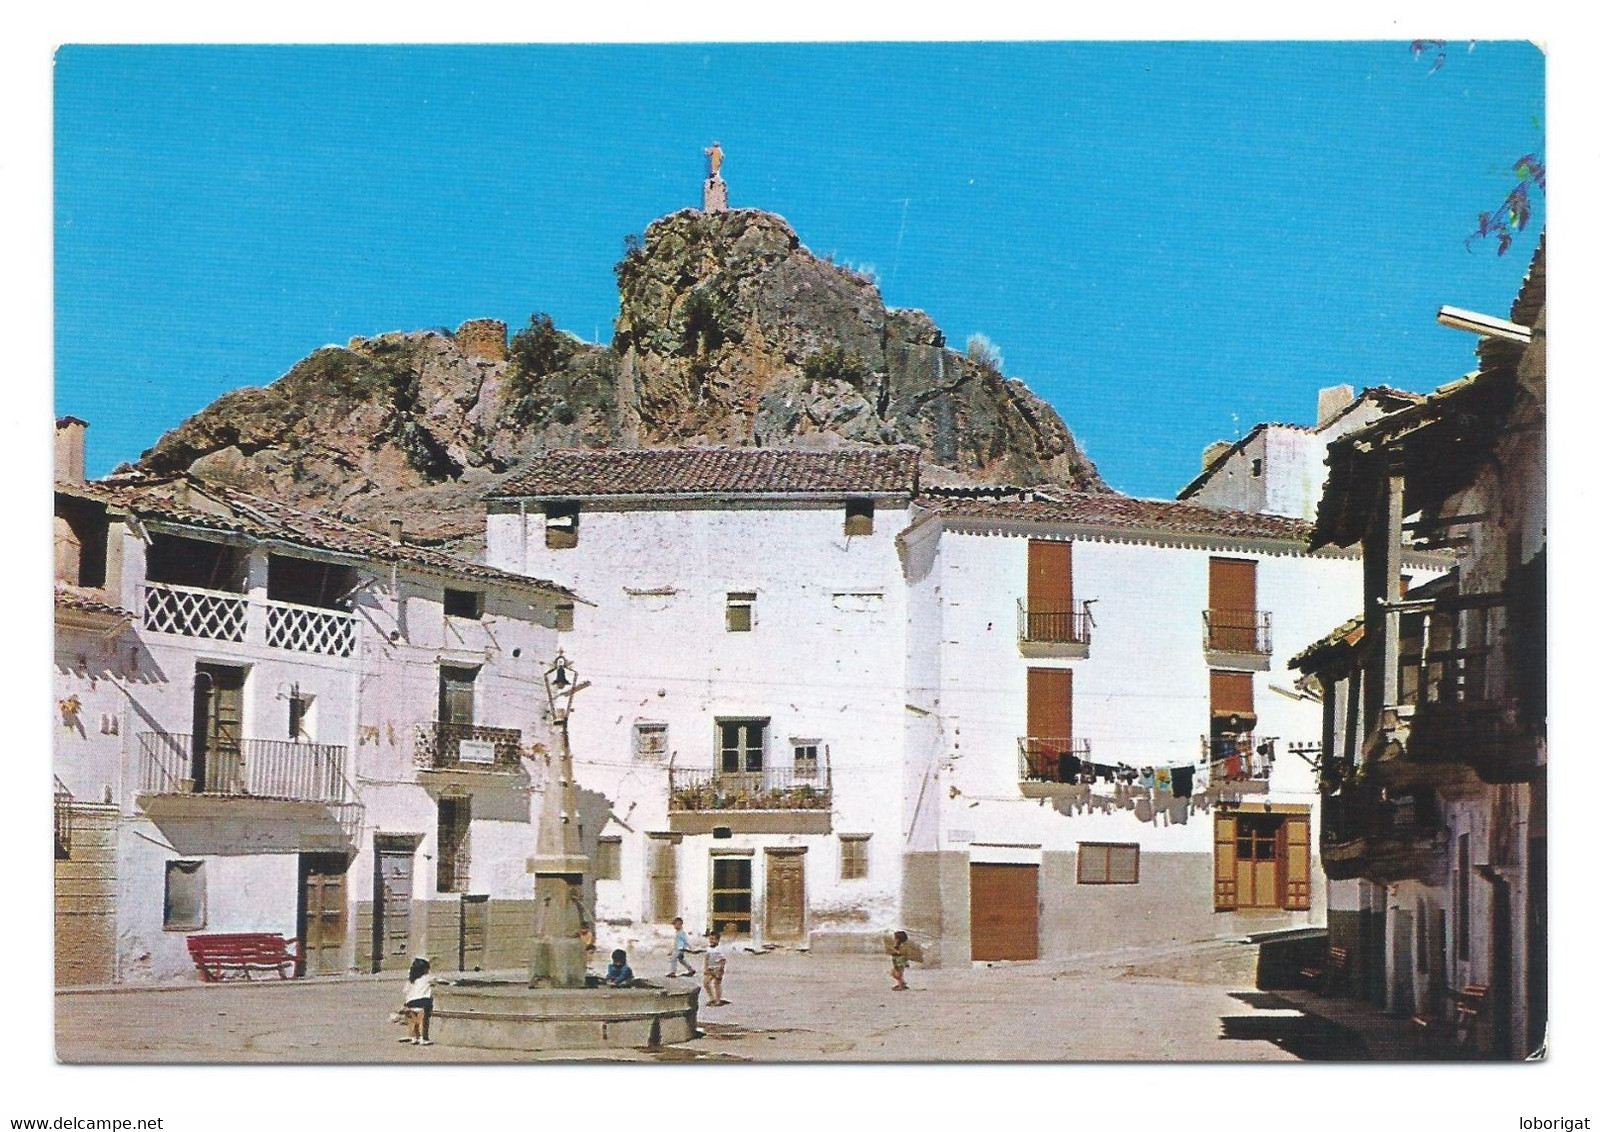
{"type": "Point", "coordinates": [1049, 577]}
{"type": "Point", "coordinates": [1233, 693]}
{"type": "Point", "coordinates": [1295, 860]}
{"type": "Point", "coordinates": [1050, 710]}
{"type": "Point", "coordinates": [455, 694]}
{"type": "Point", "coordinates": [1227, 878]}
{"type": "Point", "coordinates": [1233, 604]}
{"type": "Point", "coordinates": [663, 862]}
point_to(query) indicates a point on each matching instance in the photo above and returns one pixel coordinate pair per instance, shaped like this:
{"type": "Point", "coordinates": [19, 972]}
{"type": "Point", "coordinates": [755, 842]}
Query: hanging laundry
{"type": "Point", "coordinates": [1178, 811]}
{"type": "Point", "coordinates": [1143, 810]}
{"type": "Point", "coordinates": [1068, 769]}
{"type": "Point", "coordinates": [1202, 778]}
{"type": "Point", "coordinates": [1147, 777]}
{"type": "Point", "coordinates": [1232, 768]}
{"type": "Point", "coordinates": [1182, 781]}
{"type": "Point", "coordinates": [1163, 778]}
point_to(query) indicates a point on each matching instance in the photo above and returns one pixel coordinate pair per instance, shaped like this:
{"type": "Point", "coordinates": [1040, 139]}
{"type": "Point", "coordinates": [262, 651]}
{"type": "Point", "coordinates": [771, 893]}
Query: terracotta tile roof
{"type": "Point", "coordinates": [1107, 509]}
{"type": "Point", "coordinates": [1347, 634]}
{"type": "Point", "coordinates": [88, 601]}
{"type": "Point", "coordinates": [715, 471]}
{"type": "Point", "coordinates": [208, 506]}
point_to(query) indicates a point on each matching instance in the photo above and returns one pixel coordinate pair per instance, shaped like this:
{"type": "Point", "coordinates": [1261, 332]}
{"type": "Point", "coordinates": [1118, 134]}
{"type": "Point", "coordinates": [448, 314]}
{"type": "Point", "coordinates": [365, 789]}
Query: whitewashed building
{"type": "Point", "coordinates": [1279, 469]}
{"type": "Point", "coordinates": [269, 721]}
{"type": "Point", "coordinates": [740, 736]}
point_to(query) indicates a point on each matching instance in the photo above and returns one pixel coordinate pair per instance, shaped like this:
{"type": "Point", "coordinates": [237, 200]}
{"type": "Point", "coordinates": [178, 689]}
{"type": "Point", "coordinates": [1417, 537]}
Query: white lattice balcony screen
{"type": "Point", "coordinates": [194, 613]}
{"type": "Point", "coordinates": [307, 628]}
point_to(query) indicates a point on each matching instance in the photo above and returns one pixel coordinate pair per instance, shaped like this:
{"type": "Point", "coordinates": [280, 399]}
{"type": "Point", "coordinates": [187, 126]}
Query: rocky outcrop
{"type": "Point", "coordinates": [730, 332]}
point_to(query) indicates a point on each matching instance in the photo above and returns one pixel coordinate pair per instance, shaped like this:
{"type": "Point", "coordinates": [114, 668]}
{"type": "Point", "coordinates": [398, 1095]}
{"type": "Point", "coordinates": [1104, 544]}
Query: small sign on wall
{"type": "Point", "coordinates": [479, 752]}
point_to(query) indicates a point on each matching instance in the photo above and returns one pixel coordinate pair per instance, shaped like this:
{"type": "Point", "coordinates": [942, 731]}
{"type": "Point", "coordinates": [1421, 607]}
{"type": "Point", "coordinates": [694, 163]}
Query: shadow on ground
{"type": "Point", "coordinates": [1303, 1035]}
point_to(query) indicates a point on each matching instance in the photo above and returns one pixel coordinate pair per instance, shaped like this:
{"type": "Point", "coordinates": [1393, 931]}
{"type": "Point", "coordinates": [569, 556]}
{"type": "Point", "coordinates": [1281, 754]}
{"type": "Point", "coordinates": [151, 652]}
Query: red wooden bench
{"type": "Point", "coordinates": [221, 952]}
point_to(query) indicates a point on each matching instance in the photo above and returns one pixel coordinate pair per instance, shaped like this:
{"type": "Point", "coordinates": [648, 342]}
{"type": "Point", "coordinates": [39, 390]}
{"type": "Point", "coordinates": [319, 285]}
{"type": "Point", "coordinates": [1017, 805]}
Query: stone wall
{"type": "Point", "coordinates": [483, 338]}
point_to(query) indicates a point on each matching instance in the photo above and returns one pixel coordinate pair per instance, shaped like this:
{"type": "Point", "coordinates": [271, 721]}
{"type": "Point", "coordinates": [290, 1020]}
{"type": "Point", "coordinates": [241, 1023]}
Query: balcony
{"type": "Point", "coordinates": [468, 747]}
{"type": "Point", "coordinates": [309, 628]}
{"type": "Point", "coordinates": [303, 785]}
{"type": "Point", "coordinates": [1237, 638]}
{"type": "Point", "coordinates": [1050, 767]}
{"type": "Point", "coordinates": [775, 800]}
{"type": "Point", "coordinates": [1380, 834]}
{"type": "Point", "coordinates": [189, 612]}
{"type": "Point", "coordinates": [1046, 632]}
{"type": "Point", "coordinates": [63, 807]}
{"type": "Point", "coordinates": [1482, 735]}
{"type": "Point", "coordinates": [1240, 763]}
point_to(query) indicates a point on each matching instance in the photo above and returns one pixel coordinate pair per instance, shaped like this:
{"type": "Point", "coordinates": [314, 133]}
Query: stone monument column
{"type": "Point", "coordinates": [558, 865]}
{"type": "Point", "coordinates": [715, 195]}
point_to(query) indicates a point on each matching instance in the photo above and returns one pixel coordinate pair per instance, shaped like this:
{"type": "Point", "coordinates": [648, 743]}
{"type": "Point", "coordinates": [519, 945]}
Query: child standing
{"type": "Point", "coordinates": [619, 974]}
{"type": "Point", "coordinates": [680, 945]}
{"type": "Point", "coordinates": [419, 1002]}
{"type": "Point", "coordinates": [716, 964]}
{"type": "Point", "coordinates": [899, 959]}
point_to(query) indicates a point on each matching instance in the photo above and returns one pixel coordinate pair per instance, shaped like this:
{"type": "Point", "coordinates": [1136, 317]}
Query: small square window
{"type": "Point", "coordinates": [853, 855]}
{"type": "Point", "coordinates": [185, 905]}
{"type": "Point", "coordinates": [650, 742]}
{"type": "Point", "coordinates": [741, 612]}
{"type": "Point", "coordinates": [564, 615]}
{"type": "Point", "coordinates": [463, 603]}
{"type": "Point", "coordinates": [608, 859]}
{"type": "Point", "coordinates": [560, 525]}
{"type": "Point", "coordinates": [1255, 467]}
{"type": "Point", "coordinates": [858, 517]}
{"type": "Point", "coordinates": [1103, 863]}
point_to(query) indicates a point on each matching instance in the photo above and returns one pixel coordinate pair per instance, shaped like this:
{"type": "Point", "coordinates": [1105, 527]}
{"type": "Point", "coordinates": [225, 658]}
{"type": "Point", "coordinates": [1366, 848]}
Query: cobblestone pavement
{"type": "Point", "coordinates": [1194, 1004]}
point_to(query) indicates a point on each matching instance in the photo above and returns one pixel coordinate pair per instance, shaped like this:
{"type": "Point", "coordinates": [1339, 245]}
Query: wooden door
{"type": "Point", "coordinates": [392, 907]}
{"type": "Point", "coordinates": [218, 729]}
{"type": "Point", "coordinates": [323, 915]}
{"type": "Point", "coordinates": [1225, 855]}
{"type": "Point", "coordinates": [730, 895]}
{"type": "Point", "coordinates": [1257, 859]}
{"type": "Point", "coordinates": [1233, 604]}
{"type": "Point", "coordinates": [786, 895]}
{"type": "Point", "coordinates": [1295, 854]}
{"type": "Point", "coordinates": [455, 694]}
{"type": "Point", "coordinates": [474, 932]}
{"type": "Point", "coordinates": [1050, 591]}
{"type": "Point", "coordinates": [86, 901]}
{"type": "Point", "coordinates": [1049, 720]}
{"type": "Point", "coordinates": [1005, 911]}
{"type": "Point", "coordinates": [661, 862]}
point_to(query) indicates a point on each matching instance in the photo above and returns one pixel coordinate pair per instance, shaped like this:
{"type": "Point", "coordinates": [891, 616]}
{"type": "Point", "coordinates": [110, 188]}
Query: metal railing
{"type": "Point", "coordinates": [1054, 626]}
{"type": "Point", "coordinates": [1046, 759]}
{"type": "Point", "coordinates": [308, 628]}
{"type": "Point", "coordinates": [1238, 757]}
{"type": "Point", "coordinates": [192, 612]}
{"type": "Point", "coordinates": [776, 788]}
{"type": "Point", "coordinates": [1238, 630]}
{"type": "Point", "coordinates": [278, 769]}
{"type": "Point", "coordinates": [438, 747]}
{"type": "Point", "coordinates": [63, 805]}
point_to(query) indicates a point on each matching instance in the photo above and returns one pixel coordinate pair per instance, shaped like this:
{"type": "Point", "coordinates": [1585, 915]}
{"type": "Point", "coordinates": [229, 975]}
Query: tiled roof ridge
{"type": "Point", "coordinates": [1116, 509]}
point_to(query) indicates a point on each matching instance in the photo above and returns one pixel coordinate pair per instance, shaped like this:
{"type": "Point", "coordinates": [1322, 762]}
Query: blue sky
{"type": "Point", "coordinates": [1169, 242]}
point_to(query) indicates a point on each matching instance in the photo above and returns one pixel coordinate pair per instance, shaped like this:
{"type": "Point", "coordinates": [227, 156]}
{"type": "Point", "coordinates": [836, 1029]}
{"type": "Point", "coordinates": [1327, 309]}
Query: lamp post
{"type": "Point", "coordinates": [558, 864]}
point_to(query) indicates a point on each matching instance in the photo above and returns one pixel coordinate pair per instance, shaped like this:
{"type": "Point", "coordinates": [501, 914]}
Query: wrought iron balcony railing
{"type": "Point", "coordinates": [1238, 631]}
{"type": "Point", "coordinates": [1239, 757]}
{"type": "Point", "coordinates": [63, 806]}
{"type": "Point", "coordinates": [277, 769]}
{"type": "Point", "coordinates": [776, 788]}
{"type": "Point", "coordinates": [467, 746]}
{"type": "Point", "coordinates": [191, 612]}
{"type": "Point", "coordinates": [1037, 625]}
{"type": "Point", "coordinates": [1045, 759]}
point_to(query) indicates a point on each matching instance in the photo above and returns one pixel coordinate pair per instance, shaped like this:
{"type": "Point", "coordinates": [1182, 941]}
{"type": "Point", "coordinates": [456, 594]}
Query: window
{"type": "Point", "coordinates": [1108, 863]}
{"type": "Point", "coordinates": [303, 581]}
{"type": "Point", "coordinates": [1050, 612]}
{"type": "Point", "coordinates": [858, 517]}
{"type": "Point", "coordinates": [463, 603]}
{"type": "Point", "coordinates": [1255, 467]}
{"type": "Point", "coordinates": [730, 894]}
{"type": "Point", "coordinates": [649, 741]}
{"type": "Point", "coordinates": [565, 611]}
{"type": "Point", "coordinates": [302, 724]}
{"type": "Point", "coordinates": [741, 612]}
{"type": "Point", "coordinates": [455, 857]}
{"type": "Point", "coordinates": [1233, 623]}
{"type": "Point", "coordinates": [608, 859]}
{"type": "Point", "coordinates": [455, 694]}
{"type": "Point", "coordinates": [742, 744]}
{"type": "Point", "coordinates": [805, 758]}
{"type": "Point", "coordinates": [185, 905]}
{"type": "Point", "coordinates": [193, 562]}
{"type": "Point", "coordinates": [1263, 860]}
{"type": "Point", "coordinates": [560, 525]}
{"type": "Point", "coordinates": [853, 855]}
{"type": "Point", "coordinates": [1463, 896]}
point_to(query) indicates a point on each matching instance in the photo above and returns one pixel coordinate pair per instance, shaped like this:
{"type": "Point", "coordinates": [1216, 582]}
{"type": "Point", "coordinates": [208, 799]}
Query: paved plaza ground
{"type": "Point", "coordinates": [1190, 1004]}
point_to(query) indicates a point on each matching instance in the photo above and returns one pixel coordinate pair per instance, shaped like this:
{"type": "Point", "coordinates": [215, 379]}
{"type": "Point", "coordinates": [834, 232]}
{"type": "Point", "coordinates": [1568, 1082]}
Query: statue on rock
{"type": "Point", "coordinates": [716, 189]}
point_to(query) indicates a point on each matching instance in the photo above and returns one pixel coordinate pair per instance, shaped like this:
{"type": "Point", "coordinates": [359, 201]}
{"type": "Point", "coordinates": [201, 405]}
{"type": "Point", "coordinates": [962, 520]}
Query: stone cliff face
{"type": "Point", "coordinates": [730, 332]}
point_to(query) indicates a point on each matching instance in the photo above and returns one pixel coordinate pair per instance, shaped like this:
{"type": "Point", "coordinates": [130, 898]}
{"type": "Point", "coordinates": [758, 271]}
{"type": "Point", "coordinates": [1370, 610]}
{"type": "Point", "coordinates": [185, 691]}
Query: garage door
{"type": "Point", "coordinates": [1005, 912]}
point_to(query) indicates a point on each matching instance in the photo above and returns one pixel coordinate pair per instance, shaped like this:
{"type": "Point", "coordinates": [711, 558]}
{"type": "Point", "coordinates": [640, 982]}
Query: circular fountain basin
{"type": "Point", "coordinates": [502, 1014]}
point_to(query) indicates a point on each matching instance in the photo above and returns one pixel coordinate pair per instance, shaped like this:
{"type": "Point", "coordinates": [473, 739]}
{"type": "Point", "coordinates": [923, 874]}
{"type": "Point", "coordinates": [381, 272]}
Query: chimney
{"type": "Point", "coordinates": [69, 449]}
{"type": "Point", "coordinates": [1332, 401]}
{"type": "Point", "coordinates": [395, 527]}
{"type": "Point", "coordinates": [1214, 452]}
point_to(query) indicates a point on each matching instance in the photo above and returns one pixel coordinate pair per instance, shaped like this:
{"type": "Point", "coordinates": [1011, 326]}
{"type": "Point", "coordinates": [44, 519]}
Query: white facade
{"type": "Point", "coordinates": [323, 764]}
{"type": "Point", "coordinates": [820, 668]}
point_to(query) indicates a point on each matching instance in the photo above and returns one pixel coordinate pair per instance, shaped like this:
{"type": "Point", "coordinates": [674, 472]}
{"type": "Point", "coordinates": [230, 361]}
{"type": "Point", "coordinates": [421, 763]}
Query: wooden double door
{"type": "Point", "coordinates": [1005, 911]}
{"type": "Point", "coordinates": [324, 916]}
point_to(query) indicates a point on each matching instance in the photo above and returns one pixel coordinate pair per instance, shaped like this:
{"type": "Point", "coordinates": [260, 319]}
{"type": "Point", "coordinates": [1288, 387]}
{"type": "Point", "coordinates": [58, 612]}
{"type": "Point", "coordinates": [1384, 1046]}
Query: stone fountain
{"type": "Point", "coordinates": [557, 1008]}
